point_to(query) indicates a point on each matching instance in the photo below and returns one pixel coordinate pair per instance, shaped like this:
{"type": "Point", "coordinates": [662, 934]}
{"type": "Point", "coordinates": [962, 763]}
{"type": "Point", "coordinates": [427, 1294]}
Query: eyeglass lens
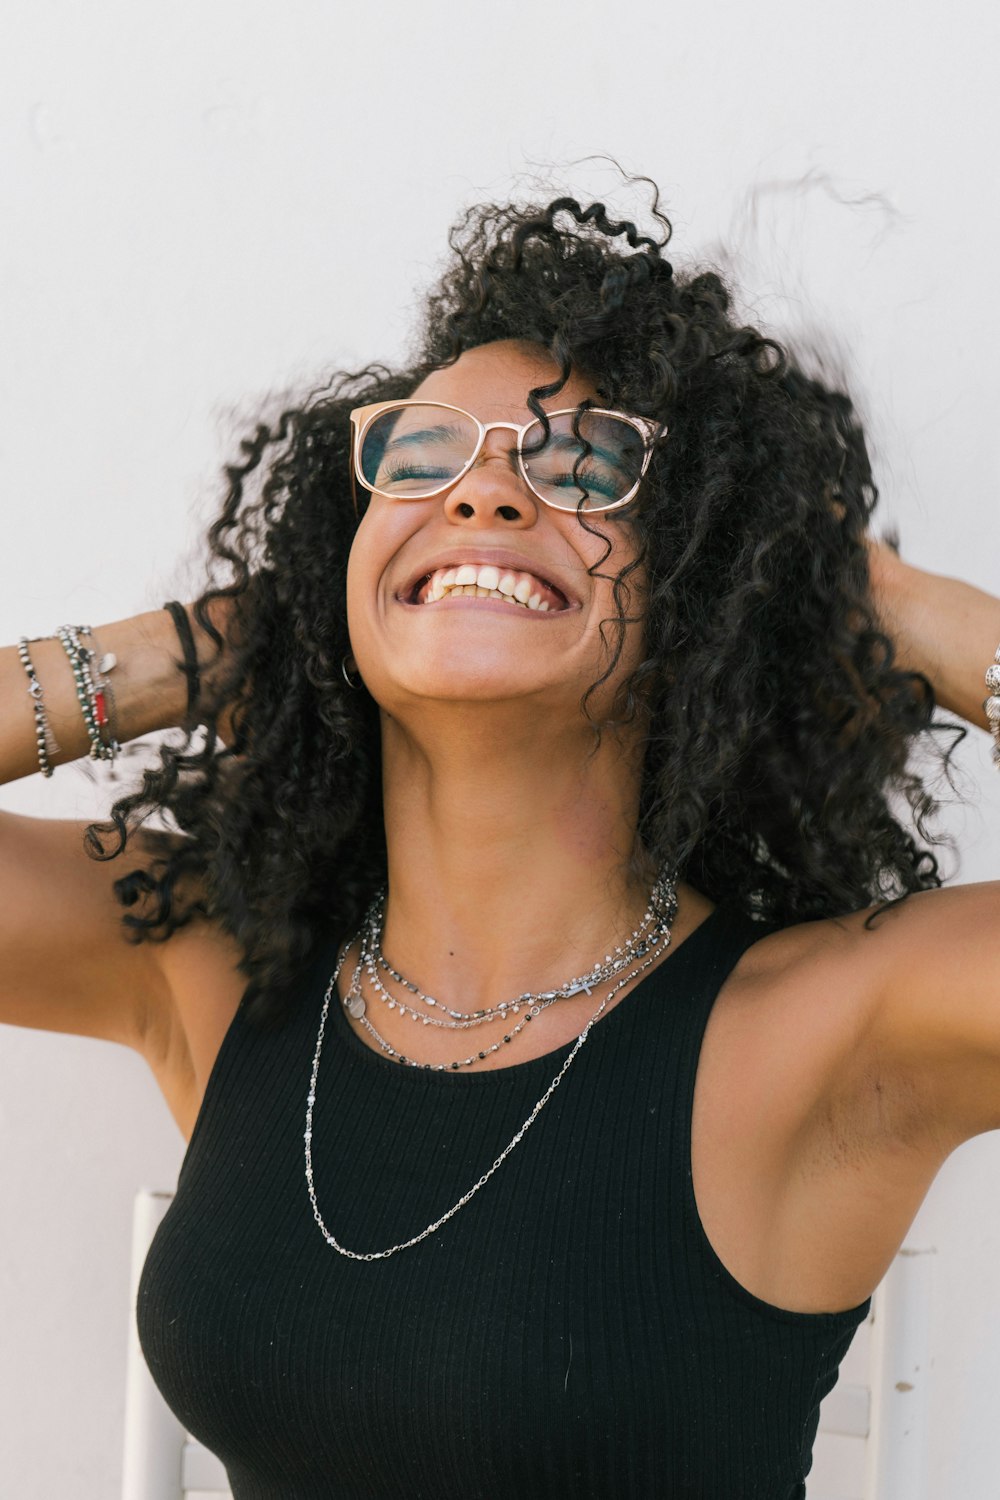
{"type": "Point", "coordinates": [414, 451]}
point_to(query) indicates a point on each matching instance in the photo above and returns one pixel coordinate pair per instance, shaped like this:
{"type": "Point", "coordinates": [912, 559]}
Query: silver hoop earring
{"type": "Point", "coordinates": [346, 674]}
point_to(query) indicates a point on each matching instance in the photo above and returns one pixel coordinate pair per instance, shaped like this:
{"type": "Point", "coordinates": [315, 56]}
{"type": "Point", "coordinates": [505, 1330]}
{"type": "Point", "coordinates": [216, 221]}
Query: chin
{"type": "Point", "coordinates": [460, 675]}
{"type": "Point", "coordinates": [468, 685]}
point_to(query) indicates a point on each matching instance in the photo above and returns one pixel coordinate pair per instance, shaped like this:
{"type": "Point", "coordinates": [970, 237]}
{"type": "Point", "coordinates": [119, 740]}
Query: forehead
{"type": "Point", "coordinates": [493, 381]}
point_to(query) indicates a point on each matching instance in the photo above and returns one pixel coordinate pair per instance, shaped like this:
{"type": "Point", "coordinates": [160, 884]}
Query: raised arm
{"type": "Point", "coordinates": [936, 958]}
{"type": "Point", "coordinates": [65, 962]}
{"type": "Point", "coordinates": [942, 627]}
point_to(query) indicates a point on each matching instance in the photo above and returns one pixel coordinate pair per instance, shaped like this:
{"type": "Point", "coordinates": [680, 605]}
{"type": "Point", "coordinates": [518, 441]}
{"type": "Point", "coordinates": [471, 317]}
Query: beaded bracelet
{"type": "Point", "coordinates": [44, 738]}
{"type": "Point", "coordinates": [93, 705]}
{"type": "Point", "coordinates": [992, 704]}
{"type": "Point", "coordinates": [99, 693]}
{"type": "Point", "coordinates": [78, 656]}
{"type": "Point", "coordinates": [102, 663]}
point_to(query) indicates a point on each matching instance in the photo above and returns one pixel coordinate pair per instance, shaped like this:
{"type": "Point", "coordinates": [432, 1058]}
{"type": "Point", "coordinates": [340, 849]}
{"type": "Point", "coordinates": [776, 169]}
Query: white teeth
{"type": "Point", "coordinates": [486, 582]}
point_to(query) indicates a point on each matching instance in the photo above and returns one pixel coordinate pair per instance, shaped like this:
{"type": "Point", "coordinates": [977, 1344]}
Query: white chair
{"type": "Point", "coordinates": [871, 1430]}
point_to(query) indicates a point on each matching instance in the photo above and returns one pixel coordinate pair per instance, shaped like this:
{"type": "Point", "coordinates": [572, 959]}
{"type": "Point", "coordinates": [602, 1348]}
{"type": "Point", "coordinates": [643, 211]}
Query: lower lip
{"type": "Point", "coordinates": [491, 606]}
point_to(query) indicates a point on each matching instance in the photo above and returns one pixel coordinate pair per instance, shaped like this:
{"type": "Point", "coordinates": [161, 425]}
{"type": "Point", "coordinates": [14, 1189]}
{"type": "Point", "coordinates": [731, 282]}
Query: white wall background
{"type": "Point", "coordinates": [211, 200]}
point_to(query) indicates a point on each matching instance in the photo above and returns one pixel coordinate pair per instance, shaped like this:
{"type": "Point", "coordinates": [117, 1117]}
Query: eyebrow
{"type": "Point", "coordinates": [422, 435]}
{"type": "Point", "coordinates": [567, 440]}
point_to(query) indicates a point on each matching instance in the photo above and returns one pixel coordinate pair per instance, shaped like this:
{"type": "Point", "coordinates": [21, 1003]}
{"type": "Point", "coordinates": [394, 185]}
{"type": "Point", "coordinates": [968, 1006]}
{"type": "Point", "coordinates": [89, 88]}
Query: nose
{"type": "Point", "coordinates": [493, 489]}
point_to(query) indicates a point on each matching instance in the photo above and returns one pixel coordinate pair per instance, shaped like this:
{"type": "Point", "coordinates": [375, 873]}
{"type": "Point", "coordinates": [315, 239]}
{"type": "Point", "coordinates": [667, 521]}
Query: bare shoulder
{"type": "Point", "coordinates": [915, 989]}
{"type": "Point", "coordinates": [804, 946]}
{"type": "Point", "coordinates": [200, 965]}
{"type": "Point", "coordinates": [840, 962]}
{"type": "Point", "coordinates": [808, 1003]}
{"type": "Point", "coordinates": [938, 1003]}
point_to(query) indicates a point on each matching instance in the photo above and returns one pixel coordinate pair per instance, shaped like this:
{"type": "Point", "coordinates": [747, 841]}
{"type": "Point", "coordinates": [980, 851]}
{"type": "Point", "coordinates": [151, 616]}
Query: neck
{"type": "Point", "coordinates": [513, 857]}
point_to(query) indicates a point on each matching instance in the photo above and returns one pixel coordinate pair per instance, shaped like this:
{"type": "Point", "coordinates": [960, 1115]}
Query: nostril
{"type": "Point", "coordinates": [509, 513]}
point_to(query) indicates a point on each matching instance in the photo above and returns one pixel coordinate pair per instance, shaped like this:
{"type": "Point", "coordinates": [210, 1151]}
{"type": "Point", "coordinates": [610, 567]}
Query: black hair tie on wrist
{"type": "Point", "coordinates": [190, 665]}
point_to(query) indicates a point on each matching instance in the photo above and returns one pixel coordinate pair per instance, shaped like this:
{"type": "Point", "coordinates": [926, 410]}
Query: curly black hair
{"type": "Point", "coordinates": [779, 728]}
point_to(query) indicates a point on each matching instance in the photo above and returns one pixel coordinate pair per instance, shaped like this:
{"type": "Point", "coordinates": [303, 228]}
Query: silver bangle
{"type": "Point", "coordinates": [45, 740]}
{"type": "Point", "coordinates": [91, 704]}
{"type": "Point", "coordinates": [992, 704]}
{"type": "Point", "coordinates": [102, 663]}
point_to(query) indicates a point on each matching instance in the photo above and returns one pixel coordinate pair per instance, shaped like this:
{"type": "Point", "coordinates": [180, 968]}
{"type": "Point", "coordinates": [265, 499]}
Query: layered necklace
{"type": "Point", "coordinates": [636, 954]}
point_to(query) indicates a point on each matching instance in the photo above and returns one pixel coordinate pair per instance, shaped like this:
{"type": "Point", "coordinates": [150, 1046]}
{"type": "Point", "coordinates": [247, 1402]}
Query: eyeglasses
{"type": "Point", "coordinates": [589, 458]}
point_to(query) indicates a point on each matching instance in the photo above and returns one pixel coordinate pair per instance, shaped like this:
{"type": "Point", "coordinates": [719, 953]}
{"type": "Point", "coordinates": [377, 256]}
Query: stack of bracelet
{"type": "Point", "coordinates": [90, 667]}
{"type": "Point", "coordinates": [992, 704]}
{"type": "Point", "coordinates": [93, 690]}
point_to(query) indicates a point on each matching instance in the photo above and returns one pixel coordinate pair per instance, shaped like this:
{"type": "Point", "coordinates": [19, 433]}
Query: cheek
{"type": "Point", "coordinates": [602, 545]}
{"type": "Point", "coordinates": [633, 604]}
{"type": "Point", "coordinates": [363, 573]}
{"type": "Point", "coordinates": [355, 570]}
{"type": "Point", "coordinates": [371, 550]}
{"type": "Point", "coordinates": [606, 569]}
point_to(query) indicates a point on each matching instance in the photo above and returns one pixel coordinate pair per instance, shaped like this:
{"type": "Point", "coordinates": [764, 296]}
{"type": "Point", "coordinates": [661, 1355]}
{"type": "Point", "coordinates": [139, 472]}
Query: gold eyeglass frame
{"type": "Point", "coordinates": [363, 416]}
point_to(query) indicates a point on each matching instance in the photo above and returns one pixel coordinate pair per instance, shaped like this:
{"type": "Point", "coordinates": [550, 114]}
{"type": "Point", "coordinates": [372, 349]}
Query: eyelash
{"type": "Point", "coordinates": [402, 470]}
{"type": "Point", "coordinates": [398, 469]}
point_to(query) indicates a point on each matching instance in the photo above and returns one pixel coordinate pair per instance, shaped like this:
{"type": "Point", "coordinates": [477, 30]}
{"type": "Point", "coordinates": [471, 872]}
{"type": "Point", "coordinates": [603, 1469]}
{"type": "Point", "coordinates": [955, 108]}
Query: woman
{"type": "Point", "coordinates": [569, 1165]}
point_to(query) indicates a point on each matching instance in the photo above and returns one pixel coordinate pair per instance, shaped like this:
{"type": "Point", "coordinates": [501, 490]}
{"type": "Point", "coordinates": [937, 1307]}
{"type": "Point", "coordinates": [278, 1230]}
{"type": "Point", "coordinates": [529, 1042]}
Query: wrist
{"type": "Point", "coordinates": [942, 627]}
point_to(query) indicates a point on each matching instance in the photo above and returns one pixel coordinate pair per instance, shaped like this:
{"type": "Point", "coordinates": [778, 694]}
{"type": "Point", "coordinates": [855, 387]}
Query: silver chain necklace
{"type": "Point", "coordinates": [662, 942]}
{"type": "Point", "coordinates": [374, 959]}
{"type": "Point", "coordinates": [354, 1004]}
{"type": "Point", "coordinates": [354, 1001]}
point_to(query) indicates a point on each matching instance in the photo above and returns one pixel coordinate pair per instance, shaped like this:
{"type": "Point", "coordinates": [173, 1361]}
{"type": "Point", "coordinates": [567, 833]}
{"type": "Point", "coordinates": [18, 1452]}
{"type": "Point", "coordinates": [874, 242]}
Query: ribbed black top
{"type": "Point", "coordinates": [570, 1332]}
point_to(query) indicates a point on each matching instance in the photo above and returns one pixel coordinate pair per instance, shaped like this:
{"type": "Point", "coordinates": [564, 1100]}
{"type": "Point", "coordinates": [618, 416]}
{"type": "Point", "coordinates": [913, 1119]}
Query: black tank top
{"type": "Point", "coordinates": [569, 1332]}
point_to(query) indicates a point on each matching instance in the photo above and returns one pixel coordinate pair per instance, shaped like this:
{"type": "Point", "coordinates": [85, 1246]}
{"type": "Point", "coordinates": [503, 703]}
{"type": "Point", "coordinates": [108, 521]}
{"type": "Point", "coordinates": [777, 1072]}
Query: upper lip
{"type": "Point", "coordinates": [482, 557]}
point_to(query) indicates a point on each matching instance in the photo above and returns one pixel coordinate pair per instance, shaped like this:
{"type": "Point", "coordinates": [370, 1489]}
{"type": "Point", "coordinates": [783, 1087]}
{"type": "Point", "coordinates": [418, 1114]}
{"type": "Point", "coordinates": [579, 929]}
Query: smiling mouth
{"type": "Point", "coordinates": [522, 590]}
